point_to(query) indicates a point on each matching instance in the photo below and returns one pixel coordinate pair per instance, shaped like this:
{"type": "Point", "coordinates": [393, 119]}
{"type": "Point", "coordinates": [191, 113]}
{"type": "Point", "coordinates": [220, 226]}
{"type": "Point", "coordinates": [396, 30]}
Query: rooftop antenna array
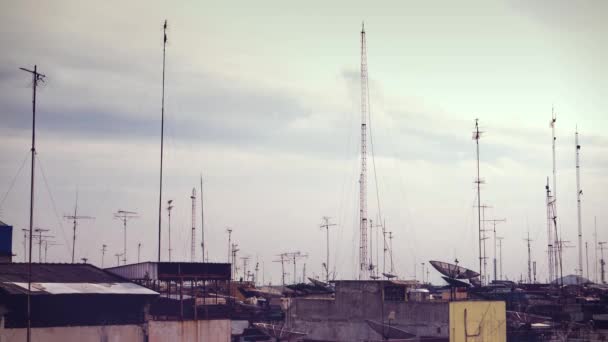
{"type": "Point", "coordinates": [41, 239]}
{"type": "Point", "coordinates": [125, 216]}
{"type": "Point", "coordinates": [193, 241]}
{"type": "Point", "coordinates": [75, 219]}
{"type": "Point", "coordinates": [363, 267]}
{"type": "Point", "coordinates": [36, 77]}
{"type": "Point", "coordinates": [579, 192]}
{"type": "Point", "coordinates": [494, 262]}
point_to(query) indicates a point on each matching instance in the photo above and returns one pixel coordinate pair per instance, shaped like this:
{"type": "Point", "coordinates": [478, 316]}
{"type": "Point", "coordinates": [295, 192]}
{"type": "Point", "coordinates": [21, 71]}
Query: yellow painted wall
{"type": "Point", "coordinates": [485, 321]}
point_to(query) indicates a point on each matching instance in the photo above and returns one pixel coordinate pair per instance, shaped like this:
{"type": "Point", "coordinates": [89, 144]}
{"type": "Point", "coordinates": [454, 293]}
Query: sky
{"type": "Point", "coordinates": [263, 100]}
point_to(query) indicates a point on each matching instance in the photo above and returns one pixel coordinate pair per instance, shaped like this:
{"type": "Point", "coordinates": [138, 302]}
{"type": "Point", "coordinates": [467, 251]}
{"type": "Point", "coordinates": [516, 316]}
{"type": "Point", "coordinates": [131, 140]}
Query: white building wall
{"type": "Point", "coordinates": [158, 331]}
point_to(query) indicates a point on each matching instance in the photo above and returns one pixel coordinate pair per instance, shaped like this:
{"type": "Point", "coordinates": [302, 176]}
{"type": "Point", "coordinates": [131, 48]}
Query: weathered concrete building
{"type": "Point", "coordinates": [343, 318]}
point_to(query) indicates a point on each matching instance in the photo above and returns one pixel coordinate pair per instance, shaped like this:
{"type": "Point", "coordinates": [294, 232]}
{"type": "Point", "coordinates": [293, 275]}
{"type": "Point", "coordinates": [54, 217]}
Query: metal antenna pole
{"type": "Point", "coordinates": [595, 250]}
{"type": "Point", "coordinates": [193, 242]}
{"type": "Point", "coordinates": [36, 77]}
{"type": "Point", "coordinates": [103, 254]}
{"type": "Point", "coordinates": [602, 262]}
{"type": "Point", "coordinates": [363, 177]}
{"type": "Point", "coordinates": [587, 258]}
{"type": "Point", "coordinates": [202, 223]}
{"type": "Point", "coordinates": [40, 231]}
{"type": "Point", "coordinates": [229, 231]}
{"type": "Point", "coordinates": [494, 222]}
{"type": "Point", "coordinates": [528, 240]}
{"type": "Point", "coordinates": [579, 192]}
{"type": "Point", "coordinates": [138, 251]}
{"type": "Point", "coordinates": [162, 136]}
{"type": "Point", "coordinates": [124, 216]}
{"type": "Point", "coordinates": [326, 225]}
{"type": "Point", "coordinates": [169, 207]}
{"type": "Point", "coordinates": [390, 237]}
{"type": "Point", "coordinates": [557, 245]}
{"type": "Point", "coordinates": [75, 219]}
{"type": "Point", "coordinates": [478, 181]}
{"type": "Point", "coordinates": [500, 254]}
{"type": "Point", "coordinates": [550, 247]}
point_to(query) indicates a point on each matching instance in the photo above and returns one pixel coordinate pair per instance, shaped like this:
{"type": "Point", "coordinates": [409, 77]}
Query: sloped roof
{"type": "Point", "coordinates": [65, 279]}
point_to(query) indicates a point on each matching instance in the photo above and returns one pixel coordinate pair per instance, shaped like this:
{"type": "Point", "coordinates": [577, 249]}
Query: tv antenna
{"type": "Point", "coordinates": [125, 216]}
{"type": "Point", "coordinates": [75, 218]}
{"type": "Point", "coordinates": [326, 225]}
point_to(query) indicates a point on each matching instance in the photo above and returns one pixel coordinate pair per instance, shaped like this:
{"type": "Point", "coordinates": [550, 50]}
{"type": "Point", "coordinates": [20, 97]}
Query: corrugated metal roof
{"type": "Point", "coordinates": [56, 273]}
{"type": "Point", "coordinates": [173, 270]}
{"type": "Point", "coordinates": [86, 288]}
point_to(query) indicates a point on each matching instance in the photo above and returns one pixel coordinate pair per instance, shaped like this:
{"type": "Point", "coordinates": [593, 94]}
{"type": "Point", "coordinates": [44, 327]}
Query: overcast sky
{"type": "Point", "coordinates": [262, 98]}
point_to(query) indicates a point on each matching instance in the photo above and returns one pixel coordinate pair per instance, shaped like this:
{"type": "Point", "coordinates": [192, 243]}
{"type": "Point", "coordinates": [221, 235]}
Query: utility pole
{"type": "Point", "coordinates": [363, 274]}
{"type": "Point", "coordinates": [326, 225]}
{"type": "Point", "coordinates": [500, 253]}
{"type": "Point", "coordinates": [478, 181]}
{"type": "Point", "coordinates": [579, 192]}
{"type": "Point", "coordinates": [162, 136]}
{"type": "Point", "coordinates": [193, 241]}
{"type": "Point", "coordinates": [169, 207]}
{"type": "Point", "coordinates": [138, 252]}
{"type": "Point", "coordinates": [528, 240]}
{"type": "Point", "coordinates": [124, 216]}
{"type": "Point", "coordinates": [494, 222]}
{"type": "Point", "coordinates": [104, 248]}
{"type": "Point", "coordinates": [36, 77]}
{"type": "Point", "coordinates": [75, 219]}
{"type": "Point", "coordinates": [229, 231]}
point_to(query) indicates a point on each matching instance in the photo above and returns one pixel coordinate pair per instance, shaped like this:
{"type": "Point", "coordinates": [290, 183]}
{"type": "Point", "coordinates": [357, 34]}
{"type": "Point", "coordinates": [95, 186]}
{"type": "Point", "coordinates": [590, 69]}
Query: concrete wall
{"type": "Point", "coordinates": [483, 321]}
{"type": "Point", "coordinates": [343, 319]}
{"type": "Point", "coordinates": [206, 331]}
{"type": "Point", "coordinates": [108, 333]}
{"type": "Point", "coordinates": [158, 331]}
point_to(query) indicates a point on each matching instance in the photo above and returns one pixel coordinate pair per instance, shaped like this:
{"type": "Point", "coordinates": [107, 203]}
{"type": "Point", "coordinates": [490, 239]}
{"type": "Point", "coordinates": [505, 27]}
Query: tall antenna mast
{"type": "Point", "coordinates": [125, 216]}
{"type": "Point", "coordinates": [595, 250]}
{"type": "Point", "coordinates": [500, 253]}
{"type": "Point", "coordinates": [229, 231]}
{"type": "Point", "coordinates": [557, 250]}
{"type": "Point", "coordinates": [193, 242]}
{"type": "Point", "coordinates": [478, 181]}
{"type": "Point", "coordinates": [550, 247]}
{"type": "Point", "coordinates": [75, 219]}
{"type": "Point", "coordinates": [202, 223]}
{"type": "Point", "coordinates": [579, 192]}
{"type": "Point", "coordinates": [162, 136]}
{"type": "Point", "coordinates": [494, 261]}
{"type": "Point", "coordinates": [36, 77]}
{"type": "Point", "coordinates": [363, 268]}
